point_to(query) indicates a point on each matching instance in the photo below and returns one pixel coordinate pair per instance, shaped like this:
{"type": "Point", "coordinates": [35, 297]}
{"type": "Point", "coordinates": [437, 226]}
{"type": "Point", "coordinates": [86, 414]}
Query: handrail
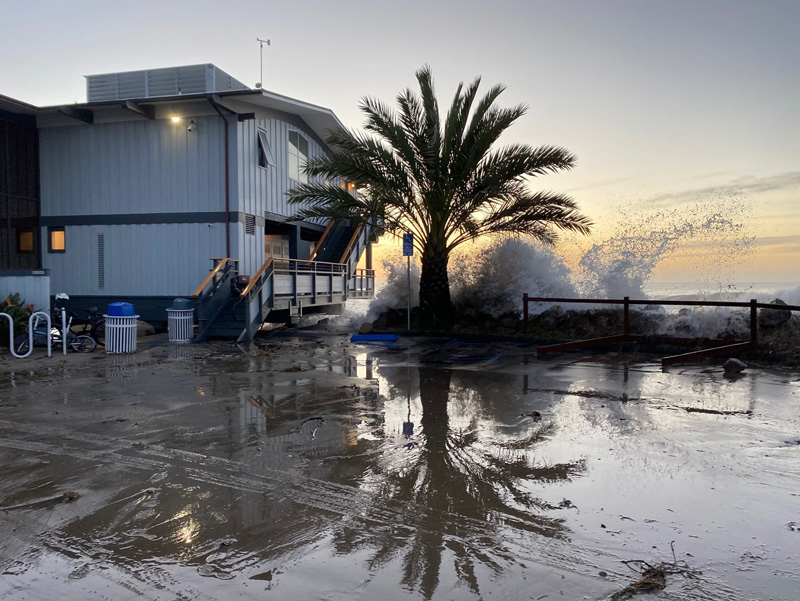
{"type": "Point", "coordinates": [214, 272]}
{"type": "Point", "coordinates": [352, 240]}
{"type": "Point", "coordinates": [321, 238]}
{"type": "Point", "coordinates": [256, 277]}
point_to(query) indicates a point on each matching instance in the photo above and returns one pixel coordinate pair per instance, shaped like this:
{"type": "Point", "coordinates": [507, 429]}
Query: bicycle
{"type": "Point", "coordinates": [93, 325]}
{"type": "Point", "coordinates": [81, 343]}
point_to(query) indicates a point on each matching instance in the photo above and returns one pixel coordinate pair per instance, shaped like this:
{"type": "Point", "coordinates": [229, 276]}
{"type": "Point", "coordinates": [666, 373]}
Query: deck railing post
{"type": "Point", "coordinates": [626, 316]}
{"type": "Point", "coordinates": [753, 321]}
{"type": "Point", "coordinates": [525, 312]}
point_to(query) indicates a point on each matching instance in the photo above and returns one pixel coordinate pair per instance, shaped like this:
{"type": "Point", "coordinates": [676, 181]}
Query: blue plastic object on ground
{"type": "Point", "coordinates": [373, 338]}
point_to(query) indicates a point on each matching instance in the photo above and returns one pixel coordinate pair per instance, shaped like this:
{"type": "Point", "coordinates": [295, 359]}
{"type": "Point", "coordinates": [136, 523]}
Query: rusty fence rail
{"type": "Point", "coordinates": [719, 346]}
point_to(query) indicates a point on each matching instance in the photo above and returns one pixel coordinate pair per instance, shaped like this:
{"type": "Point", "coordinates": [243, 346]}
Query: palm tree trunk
{"type": "Point", "coordinates": [436, 311]}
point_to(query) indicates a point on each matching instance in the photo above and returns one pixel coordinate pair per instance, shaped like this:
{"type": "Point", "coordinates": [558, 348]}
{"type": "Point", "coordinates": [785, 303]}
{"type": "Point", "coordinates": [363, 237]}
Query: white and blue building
{"type": "Point", "coordinates": [159, 177]}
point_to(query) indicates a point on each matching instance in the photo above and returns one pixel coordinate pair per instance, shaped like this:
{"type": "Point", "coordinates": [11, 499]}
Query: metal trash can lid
{"type": "Point", "coordinates": [181, 304]}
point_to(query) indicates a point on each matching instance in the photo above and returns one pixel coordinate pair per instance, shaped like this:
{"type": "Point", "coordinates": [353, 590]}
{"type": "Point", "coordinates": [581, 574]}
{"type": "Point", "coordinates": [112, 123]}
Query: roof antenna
{"type": "Point", "coordinates": [261, 50]}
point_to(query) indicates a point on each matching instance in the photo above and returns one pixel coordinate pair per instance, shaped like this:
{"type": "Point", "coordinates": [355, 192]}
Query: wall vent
{"type": "Point", "coordinates": [250, 225]}
{"type": "Point", "coordinates": [101, 261]}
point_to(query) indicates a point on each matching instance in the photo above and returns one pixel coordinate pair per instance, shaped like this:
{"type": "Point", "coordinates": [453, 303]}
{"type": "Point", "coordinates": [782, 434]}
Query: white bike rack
{"type": "Point", "coordinates": [37, 315]}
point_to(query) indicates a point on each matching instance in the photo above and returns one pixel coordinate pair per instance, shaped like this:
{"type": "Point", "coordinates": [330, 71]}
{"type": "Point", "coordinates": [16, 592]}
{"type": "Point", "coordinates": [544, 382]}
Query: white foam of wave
{"type": "Point", "coordinates": [492, 276]}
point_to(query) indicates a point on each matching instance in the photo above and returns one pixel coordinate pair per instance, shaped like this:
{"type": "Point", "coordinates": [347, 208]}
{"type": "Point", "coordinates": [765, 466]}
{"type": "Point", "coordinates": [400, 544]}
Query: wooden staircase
{"type": "Point", "coordinates": [283, 290]}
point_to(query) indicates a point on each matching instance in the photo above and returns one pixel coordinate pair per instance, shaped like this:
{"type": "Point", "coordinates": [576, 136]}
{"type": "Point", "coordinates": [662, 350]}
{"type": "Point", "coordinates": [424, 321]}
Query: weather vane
{"type": "Point", "coordinates": [260, 83]}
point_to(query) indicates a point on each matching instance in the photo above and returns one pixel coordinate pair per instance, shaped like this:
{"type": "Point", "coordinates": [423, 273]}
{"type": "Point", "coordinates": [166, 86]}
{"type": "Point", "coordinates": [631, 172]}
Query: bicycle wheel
{"type": "Point", "coordinates": [21, 344]}
{"type": "Point", "coordinates": [82, 343]}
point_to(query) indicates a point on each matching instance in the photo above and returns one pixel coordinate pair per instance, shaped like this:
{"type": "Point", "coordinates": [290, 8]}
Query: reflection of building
{"type": "Point", "coordinates": [129, 195]}
{"type": "Point", "coordinates": [290, 427]}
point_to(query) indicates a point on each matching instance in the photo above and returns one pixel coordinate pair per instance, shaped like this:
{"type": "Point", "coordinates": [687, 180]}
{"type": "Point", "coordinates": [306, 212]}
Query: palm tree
{"type": "Point", "coordinates": [445, 182]}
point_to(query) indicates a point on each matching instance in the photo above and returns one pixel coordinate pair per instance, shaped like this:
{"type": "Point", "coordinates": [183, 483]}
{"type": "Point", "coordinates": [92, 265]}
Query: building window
{"type": "Point", "coordinates": [265, 156]}
{"type": "Point", "coordinates": [26, 241]}
{"type": "Point", "coordinates": [57, 241]}
{"type": "Point", "coordinates": [298, 155]}
{"type": "Point", "coordinates": [250, 225]}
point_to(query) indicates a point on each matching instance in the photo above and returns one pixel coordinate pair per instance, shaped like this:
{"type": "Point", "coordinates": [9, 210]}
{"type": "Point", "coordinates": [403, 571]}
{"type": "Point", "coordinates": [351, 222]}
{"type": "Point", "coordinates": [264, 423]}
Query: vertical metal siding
{"type": "Point", "coordinates": [31, 289]}
{"type": "Point", "coordinates": [262, 189]}
{"type": "Point", "coordinates": [132, 167]}
{"type": "Point", "coordinates": [139, 260]}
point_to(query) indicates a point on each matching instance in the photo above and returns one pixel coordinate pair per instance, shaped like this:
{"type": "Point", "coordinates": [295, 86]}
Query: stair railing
{"type": "Point", "coordinates": [258, 296]}
{"type": "Point", "coordinates": [322, 240]}
{"type": "Point", "coordinates": [213, 294]}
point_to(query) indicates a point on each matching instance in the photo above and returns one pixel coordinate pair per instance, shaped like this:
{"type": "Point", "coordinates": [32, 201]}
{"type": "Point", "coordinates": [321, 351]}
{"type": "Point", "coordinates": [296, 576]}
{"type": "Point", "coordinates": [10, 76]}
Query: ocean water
{"type": "Point", "coordinates": [763, 291]}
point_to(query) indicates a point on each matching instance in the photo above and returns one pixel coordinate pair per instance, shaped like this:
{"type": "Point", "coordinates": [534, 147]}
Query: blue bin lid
{"type": "Point", "coordinates": [121, 309]}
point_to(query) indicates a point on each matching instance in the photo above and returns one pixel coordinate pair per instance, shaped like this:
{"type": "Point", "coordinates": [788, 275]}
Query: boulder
{"type": "Point", "coordinates": [550, 318]}
{"type": "Point", "coordinates": [734, 366]}
{"type": "Point", "coordinates": [144, 329]}
{"type": "Point", "coordinates": [366, 328]}
{"type": "Point", "coordinates": [770, 318]}
{"type": "Point", "coordinates": [509, 322]}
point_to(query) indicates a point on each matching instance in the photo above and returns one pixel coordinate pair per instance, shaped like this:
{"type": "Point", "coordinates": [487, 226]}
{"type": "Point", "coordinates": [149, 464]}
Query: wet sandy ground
{"type": "Point", "coordinates": [313, 468]}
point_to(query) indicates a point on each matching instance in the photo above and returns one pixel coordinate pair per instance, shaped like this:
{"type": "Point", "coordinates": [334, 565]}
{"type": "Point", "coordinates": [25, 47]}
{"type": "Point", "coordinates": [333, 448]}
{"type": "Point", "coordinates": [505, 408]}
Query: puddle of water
{"type": "Point", "coordinates": [425, 472]}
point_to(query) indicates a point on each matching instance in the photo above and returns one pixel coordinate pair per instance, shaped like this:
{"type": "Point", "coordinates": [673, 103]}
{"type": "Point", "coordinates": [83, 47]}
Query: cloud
{"type": "Point", "coordinates": [787, 242]}
{"type": "Point", "coordinates": [599, 184]}
{"type": "Point", "coordinates": [742, 185]}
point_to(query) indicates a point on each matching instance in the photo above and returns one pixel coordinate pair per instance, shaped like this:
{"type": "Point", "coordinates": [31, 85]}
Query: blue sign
{"type": "Point", "coordinates": [408, 245]}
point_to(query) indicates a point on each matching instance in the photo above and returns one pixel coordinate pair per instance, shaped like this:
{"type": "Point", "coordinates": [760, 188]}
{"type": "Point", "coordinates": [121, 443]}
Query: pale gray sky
{"type": "Point", "coordinates": [661, 101]}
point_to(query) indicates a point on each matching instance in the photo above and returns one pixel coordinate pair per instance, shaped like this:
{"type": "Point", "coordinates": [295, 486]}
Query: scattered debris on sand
{"type": "Point", "coordinates": [653, 577]}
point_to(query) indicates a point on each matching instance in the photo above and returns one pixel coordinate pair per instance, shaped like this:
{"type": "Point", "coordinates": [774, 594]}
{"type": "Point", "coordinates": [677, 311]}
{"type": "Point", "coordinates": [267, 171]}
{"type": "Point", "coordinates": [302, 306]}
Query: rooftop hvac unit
{"type": "Point", "coordinates": [170, 81]}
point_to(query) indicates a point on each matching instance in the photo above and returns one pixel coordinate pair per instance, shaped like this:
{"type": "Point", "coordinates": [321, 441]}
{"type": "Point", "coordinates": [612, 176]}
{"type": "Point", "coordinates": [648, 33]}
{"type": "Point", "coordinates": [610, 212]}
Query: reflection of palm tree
{"type": "Point", "coordinates": [464, 494]}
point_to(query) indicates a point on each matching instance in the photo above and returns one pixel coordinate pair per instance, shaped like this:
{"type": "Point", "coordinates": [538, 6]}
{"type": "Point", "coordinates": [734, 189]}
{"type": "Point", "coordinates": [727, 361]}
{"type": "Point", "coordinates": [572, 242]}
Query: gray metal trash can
{"type": "Point", "coordinates": [180, 324]}
{"type": "Point", "coordinates": [121, 333]}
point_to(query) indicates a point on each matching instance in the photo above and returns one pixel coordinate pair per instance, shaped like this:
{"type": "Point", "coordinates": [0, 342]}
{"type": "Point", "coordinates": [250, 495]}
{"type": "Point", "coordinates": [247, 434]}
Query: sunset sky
{"type": "Point", "coordinates": [677, 106]}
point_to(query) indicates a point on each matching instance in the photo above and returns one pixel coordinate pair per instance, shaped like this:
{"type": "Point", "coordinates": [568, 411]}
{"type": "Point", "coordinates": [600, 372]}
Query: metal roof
{"type": "Point", "coordinates": [318, 118]}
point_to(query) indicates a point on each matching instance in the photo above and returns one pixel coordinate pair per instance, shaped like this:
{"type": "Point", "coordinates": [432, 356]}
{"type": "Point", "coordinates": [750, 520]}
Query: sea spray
{"type": "Point", "coordinates": [711, 238]}
{"type": "Point", "coordinates": [493, 277]}
{"type": "Point", "coordinates": [394, 292]}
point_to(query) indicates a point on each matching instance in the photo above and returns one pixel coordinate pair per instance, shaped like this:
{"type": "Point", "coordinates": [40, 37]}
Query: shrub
{"type": "Point", "coordinates": [14, 306]}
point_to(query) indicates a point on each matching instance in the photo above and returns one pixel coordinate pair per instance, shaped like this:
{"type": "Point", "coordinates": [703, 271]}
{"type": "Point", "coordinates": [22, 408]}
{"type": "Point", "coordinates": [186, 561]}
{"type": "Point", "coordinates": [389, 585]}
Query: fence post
{"type": "Point", "coordinates": [626, 316]}
{"type": "Point", "coordinates": [525, 312]}
{"type": "Point", "coordinates": [753, 321]}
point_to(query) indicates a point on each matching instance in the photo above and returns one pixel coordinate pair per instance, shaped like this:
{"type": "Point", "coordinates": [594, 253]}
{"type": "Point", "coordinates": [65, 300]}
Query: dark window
{"type": "Point", "coordinates": [56, 240]}
{"type": "Point", "coordinates": [26, 241]}
{"type": "Point", "coordinates": [20, 246]}
{"type": "Point", "coordinates": [298, 155]}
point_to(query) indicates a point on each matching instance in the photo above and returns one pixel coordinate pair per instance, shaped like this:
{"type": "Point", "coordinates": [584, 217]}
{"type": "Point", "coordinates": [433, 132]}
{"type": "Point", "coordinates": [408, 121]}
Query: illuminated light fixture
{"type": "Point", "coordinates": [176, 119]}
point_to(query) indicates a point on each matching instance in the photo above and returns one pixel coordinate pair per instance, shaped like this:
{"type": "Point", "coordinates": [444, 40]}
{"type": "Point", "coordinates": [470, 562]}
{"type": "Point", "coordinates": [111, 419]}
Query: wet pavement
{"type": "Point", "coordinates": [313, 468]}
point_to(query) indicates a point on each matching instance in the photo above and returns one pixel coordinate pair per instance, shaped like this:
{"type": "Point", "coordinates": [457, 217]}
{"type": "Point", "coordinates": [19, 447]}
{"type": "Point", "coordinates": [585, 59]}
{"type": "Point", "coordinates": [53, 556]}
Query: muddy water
{"type": "Point", "coordinates": [312, 468]}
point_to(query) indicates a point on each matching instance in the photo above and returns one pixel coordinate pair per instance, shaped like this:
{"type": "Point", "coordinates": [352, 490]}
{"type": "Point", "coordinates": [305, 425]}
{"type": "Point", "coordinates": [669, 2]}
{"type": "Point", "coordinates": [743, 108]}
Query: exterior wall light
{"type": "Point", "coordinates": [176, 119]}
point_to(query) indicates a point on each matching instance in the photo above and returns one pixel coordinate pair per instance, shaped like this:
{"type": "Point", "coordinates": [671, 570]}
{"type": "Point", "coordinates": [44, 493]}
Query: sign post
{"type": "Point", "coordinates": [408, 252]}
